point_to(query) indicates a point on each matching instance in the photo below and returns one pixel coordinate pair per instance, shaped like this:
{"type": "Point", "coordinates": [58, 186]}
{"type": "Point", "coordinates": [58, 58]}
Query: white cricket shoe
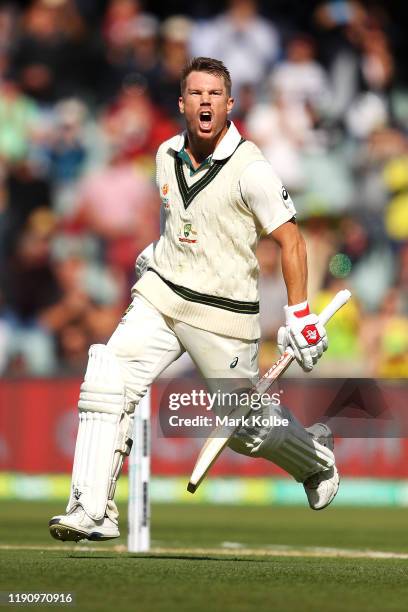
{"type": "Point", "coordinates": [77, 525]}
{"type": "Point", "coordinates": [321, 488]}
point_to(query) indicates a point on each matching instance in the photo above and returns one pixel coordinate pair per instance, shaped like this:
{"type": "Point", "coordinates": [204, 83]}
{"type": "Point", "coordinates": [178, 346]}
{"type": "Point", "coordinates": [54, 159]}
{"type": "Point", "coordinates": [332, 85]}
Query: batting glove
{"type": "Point", "coordinates": [304, 334]}
{"type": "Point", "coordinates": [143, 260]}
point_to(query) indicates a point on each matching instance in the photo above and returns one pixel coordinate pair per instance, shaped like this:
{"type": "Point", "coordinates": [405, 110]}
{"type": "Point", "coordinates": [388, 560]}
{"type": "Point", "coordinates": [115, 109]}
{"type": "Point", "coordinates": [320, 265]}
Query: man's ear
{"type": "Point", "coordinates": [181, 105]}
{"type": "Point", "coordinates": [230, 104]}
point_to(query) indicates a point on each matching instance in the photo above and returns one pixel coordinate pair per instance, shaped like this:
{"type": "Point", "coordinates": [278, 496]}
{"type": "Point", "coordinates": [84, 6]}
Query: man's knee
{"type": "Point", "coordinates": [248, 439]}
{"type": "Point", "coordinates": [289, 445]}
{"type": "Point", "coordinates": [103, 388]}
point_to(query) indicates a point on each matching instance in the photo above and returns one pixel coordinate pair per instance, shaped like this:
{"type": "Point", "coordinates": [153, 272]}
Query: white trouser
{"type": "Point", "coordinates": [146, 342]}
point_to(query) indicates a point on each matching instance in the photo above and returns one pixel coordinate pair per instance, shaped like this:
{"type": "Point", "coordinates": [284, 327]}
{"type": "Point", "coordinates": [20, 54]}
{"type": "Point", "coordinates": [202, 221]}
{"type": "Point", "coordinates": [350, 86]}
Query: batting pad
{"type": "Point", "coordinates": [102, 440]}
{"type": "Point", "coordinates": [290, 447]}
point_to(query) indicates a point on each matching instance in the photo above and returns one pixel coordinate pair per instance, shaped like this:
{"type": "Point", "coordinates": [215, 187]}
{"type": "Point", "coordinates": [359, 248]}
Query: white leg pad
{"type": "Point", "coordinates": [103, 439]}
{"type": "Point", "coordinates": [290, 447]}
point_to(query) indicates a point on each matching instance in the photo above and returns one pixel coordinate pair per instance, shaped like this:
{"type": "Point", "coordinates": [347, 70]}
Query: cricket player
{"type": "Point", "coordinates": [197, 291]}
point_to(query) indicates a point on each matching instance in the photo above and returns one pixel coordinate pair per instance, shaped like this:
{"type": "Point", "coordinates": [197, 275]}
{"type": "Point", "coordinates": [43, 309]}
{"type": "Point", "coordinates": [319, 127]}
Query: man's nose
{"type": "Point", "coordinates": [205, 98]}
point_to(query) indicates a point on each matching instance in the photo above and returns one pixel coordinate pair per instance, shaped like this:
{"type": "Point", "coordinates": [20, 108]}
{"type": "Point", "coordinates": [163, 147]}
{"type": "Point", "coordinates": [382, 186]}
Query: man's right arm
{"type": "Point", "coordinates": [145, 257]}
{"type": "Point", "coordinates": [143, 260]}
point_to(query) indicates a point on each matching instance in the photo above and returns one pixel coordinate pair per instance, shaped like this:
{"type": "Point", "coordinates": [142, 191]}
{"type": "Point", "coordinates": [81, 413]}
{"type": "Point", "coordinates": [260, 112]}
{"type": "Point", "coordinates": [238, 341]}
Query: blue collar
{"type": "Point", "coordinates": [186, 158]}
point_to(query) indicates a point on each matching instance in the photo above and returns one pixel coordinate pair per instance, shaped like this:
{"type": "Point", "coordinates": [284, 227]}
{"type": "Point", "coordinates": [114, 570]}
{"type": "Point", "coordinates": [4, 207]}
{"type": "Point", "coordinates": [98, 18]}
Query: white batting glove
{"type": "Point", "coordinates": [304, 334]}
{"type": "Point", "coordinates": [143, 260]}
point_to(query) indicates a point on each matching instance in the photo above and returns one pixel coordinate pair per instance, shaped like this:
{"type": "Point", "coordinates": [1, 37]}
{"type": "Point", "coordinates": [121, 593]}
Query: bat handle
{"type": "Point", "coordinates": [341, 298]}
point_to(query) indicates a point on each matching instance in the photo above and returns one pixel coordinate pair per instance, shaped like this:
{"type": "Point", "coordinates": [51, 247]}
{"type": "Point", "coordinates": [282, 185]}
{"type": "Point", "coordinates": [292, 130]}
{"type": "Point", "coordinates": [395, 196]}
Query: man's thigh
{"type": "Point", "coordinates": [145, 344]}
{"type": "Point", "coordinates": [220, 357]}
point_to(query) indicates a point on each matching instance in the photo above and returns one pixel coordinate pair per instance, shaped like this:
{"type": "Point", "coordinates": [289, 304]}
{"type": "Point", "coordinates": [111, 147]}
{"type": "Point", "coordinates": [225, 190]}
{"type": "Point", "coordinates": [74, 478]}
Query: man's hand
{"type": "Point", "coordinates": [304, 334]}
{"type": "Point", "coordinates": [143, 260]}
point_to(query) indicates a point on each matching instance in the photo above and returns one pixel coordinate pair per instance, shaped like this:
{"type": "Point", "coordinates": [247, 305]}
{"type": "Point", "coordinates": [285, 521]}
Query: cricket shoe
{"type": "Point", "coordinates": [77, 525]}
{"type": "Point", "coordinates": [321, 488]}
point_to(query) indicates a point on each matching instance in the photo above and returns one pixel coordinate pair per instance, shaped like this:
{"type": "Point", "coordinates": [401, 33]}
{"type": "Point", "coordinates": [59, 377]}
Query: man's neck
{"type": "Point", "coordinates": [198, 150]}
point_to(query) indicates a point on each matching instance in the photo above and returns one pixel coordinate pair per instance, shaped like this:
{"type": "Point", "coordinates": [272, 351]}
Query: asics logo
{"type": "Point", "coordinates": [234, 363]}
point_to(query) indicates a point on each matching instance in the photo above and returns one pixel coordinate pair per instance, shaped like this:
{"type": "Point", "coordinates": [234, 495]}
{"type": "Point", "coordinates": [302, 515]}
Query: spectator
{"type": "Point", "coordinates": [52, 58]}
{"type": "Point", "coordinates": [29, 287]}
{"type": "Point", "coordinates": [7, 39]}
{"type": "Point", "coordinates": [386, 338]}
{"type": "Point", "coordinates": [121, 16]}
{"type": "Point", "coordinates": [18, 114]}
{"type": "Point", "coordinates": [66, 151]}
{"type": "Point", "coordinates": [73, 343]}
{"type": "Point", "coordinates": [130, 38]}
{"type": "Point", "coordinates": [165, 81]}
{"type": "Point", "coordinates": [244, 40]}
{"type": "Point", "coordinates": [134, 126]}
{"type": "Point", "coordinates": [119, 205]}
{"type": "Point", "coordinates": [286, 124]}
{"type": "Point", "coordinates": [25, 191]}
{"type": "Point", "coordinates": [300, 78]}
{"type": "Point", "coordinates": [281, 129]}
{"type": "Point", "coordinates": [145, 46]}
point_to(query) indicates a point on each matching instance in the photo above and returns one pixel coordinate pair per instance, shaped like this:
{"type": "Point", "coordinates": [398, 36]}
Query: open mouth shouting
{"type": "Point", "coordinates": [205, 120]}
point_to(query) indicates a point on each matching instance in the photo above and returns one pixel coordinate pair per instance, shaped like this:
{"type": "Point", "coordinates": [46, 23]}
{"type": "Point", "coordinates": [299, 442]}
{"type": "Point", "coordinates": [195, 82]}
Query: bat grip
{"type": "Point", "coordinates": [341, 298]}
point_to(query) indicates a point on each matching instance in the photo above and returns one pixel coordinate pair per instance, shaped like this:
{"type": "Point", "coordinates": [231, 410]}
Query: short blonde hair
{"type": "Point", "coordinates": [206, 64]}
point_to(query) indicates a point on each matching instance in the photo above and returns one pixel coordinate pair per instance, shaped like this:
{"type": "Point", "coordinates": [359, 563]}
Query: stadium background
{"type": "Point", "coordinates": [88, 90]}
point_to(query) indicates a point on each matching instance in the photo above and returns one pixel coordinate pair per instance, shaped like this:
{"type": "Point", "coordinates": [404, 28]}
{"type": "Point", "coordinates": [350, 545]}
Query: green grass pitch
{"type": "Point", "coordinates": [218, 558]}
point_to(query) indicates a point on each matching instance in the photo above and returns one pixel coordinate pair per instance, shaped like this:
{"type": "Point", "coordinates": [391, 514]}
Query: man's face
{"type": "Point", "coordinates": [205, 104]}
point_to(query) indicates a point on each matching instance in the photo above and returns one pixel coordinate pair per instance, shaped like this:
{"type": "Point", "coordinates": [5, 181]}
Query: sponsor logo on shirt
{"type": "Point", "coordinates": [187, 234]}
{"type": "Point", "coordinates": [164, 192]}
{"type": "Point", "coordinates": [287, 200]}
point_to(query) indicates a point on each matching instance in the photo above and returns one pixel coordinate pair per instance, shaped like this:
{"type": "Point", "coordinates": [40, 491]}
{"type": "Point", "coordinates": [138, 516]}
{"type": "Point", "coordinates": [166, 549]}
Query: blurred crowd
{"type": "Point", "coordinates": [88, 91]}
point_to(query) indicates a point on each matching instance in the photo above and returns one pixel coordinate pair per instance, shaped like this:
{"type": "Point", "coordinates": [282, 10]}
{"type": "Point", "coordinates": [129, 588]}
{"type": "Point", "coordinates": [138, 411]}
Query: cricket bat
{"type": "Point", "coordinates": [220, 436]}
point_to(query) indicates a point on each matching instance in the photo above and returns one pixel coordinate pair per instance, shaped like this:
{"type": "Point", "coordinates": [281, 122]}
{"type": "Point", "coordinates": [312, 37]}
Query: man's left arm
{"type": "Point", "coordinates": [303, 331]}
{"type": "Point", "coordinates": [294, 260]}
{"type": "Point", "coordinates": [275, 212]}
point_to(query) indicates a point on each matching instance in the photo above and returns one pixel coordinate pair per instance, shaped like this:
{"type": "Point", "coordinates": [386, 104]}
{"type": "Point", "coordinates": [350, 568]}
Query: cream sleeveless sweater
{"type": "Point", "coordinates": [204, 271]}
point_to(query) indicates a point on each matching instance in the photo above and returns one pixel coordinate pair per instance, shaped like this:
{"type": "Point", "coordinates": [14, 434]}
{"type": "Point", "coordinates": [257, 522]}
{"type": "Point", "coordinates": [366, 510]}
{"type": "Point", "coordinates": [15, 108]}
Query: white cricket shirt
{"type": "Point", "coordinates": [204, 269]}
